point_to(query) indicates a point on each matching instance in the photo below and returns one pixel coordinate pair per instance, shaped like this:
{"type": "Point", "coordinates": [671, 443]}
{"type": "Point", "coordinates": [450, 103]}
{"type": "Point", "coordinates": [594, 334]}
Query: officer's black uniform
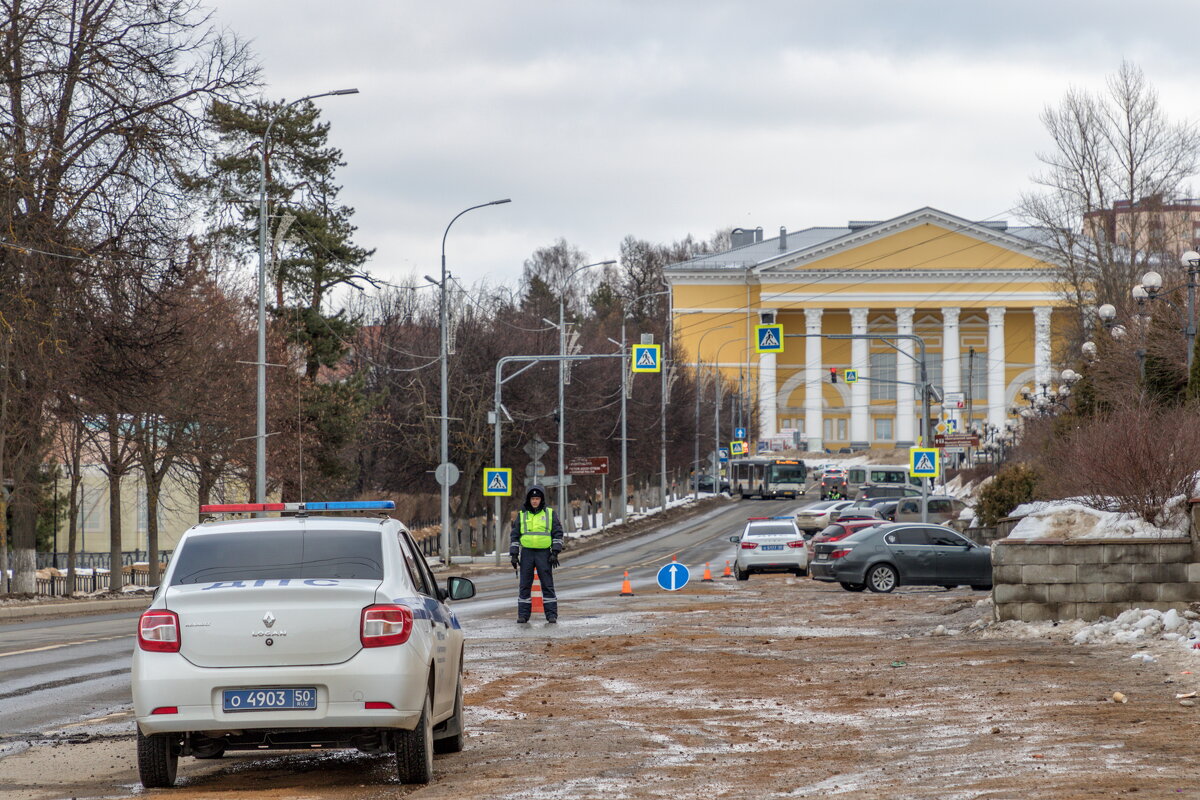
{"type": "Point", "coordinates": [537, 538]}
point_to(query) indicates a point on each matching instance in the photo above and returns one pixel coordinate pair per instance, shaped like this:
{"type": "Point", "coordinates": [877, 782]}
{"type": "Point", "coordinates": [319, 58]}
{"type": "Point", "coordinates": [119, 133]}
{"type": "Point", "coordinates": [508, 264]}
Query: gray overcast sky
{"type": "Point", "coordinates": [602, 118]}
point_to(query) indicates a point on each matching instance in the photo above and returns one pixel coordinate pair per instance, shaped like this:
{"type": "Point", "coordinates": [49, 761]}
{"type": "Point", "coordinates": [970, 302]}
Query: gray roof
{"type": "Point", "coordinates": [761, 253]}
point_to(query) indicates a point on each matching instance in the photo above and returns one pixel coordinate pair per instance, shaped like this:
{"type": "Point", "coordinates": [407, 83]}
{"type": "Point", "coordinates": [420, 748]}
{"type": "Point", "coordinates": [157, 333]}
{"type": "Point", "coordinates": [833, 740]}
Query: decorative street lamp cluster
{"type": "Point", "coordinates": [1047, 399]}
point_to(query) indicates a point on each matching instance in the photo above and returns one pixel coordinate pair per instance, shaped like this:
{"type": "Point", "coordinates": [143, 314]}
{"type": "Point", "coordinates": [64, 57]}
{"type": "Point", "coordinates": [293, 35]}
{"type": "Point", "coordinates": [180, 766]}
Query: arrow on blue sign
{"type": "Point", "coordinates": [673, 577]}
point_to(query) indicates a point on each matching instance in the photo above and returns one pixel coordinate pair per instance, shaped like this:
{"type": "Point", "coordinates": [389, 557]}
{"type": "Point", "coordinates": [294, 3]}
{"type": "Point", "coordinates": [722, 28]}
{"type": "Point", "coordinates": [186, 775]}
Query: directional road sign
{"type": "Point", "coordinates": [673, 576]}
{"type": "Point", "coordinates": [768, 338]}
{"type": "Point", "coordinates": [497, 482]}
{"type": "Point", "coordinates": [739, 433]}
{"type": "Point", "coordinates": [646, 358]}
{"type": "Point", "coordinates": [723, 454]}
{"type": "Point", "coordinates": [851, 375]}
{"type": "Point", "coordinates": [587, 465]}
{"type": "Point", "coordinates": [923, 462]}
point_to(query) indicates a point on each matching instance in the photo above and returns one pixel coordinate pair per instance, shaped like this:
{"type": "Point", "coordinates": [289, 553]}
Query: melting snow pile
{"type": "Point", "coordinates": [1140, 626]}
{"type": "Point", "coordinates": [1067, 519]}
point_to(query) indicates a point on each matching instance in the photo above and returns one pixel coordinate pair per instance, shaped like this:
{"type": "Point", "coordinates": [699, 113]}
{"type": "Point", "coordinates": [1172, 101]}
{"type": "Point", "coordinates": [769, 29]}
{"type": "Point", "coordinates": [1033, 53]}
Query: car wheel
{"type": "Point", "coordinates": [985, 588]}
{"type": "Point", "coordinates": [882, 578]}
{"type": "Point", "coordinates": [739, 573]}
{"type": "Point", "coordinates": [853, 587]}
{"type": "Point", "coordinates": [158, 759]}
{"type": "Point", "coordinates": [414, 749]}
{"type": "Point", "coordinates": [949, 586]}
{"type": "Point", "coordinates": [453, 741]}
{"type": "Point", "coordinates": [801, 573]}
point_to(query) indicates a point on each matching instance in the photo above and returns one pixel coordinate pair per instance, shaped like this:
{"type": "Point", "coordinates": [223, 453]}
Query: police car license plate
{"type": "Point", "coordinates": [269, 699]}
{"type": "Point", "coordinates": [772, 547]}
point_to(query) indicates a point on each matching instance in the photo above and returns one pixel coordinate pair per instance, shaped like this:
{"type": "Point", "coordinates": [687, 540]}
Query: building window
{"type": "Point", "coordinates": [143, 520]}
{"type": "Point", "coordinates": [841, 423]}
{"type": "Point", "coordinates": [89, 508]}
{"type": "Point", "coordinates": [883, 429]}
{"type": "Point", "coordinates": [882, 377]}
{"type": "Point", "coordinates": [933, 366]}
{"type": "Point", "coordinates": [828, 430]}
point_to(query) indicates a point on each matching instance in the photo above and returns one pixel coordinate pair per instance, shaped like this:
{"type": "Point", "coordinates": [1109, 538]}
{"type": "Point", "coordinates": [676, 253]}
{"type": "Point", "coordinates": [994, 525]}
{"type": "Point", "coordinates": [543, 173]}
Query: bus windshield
{"type": "Point", "coordinates": [788, 473]}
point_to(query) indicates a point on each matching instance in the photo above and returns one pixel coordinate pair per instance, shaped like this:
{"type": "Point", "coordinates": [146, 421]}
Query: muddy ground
{"type": "Point", "coordinates": [777, 687]}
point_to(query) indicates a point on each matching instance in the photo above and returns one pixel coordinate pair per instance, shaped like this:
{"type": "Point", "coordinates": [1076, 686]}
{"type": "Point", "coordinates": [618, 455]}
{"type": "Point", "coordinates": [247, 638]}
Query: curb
{"type": "Point", "coordinates": [76, 608]}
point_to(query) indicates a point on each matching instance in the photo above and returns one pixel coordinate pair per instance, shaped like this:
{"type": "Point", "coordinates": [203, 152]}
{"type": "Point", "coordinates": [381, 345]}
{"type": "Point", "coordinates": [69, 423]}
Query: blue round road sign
{"type": "Point", "coordinates": [673, 576]}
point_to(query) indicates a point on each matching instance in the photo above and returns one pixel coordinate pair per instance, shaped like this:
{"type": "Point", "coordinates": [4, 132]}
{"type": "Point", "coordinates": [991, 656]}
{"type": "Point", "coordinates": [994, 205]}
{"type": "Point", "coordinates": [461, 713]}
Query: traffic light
{"type": "Point", "coordinates": [833, 374]}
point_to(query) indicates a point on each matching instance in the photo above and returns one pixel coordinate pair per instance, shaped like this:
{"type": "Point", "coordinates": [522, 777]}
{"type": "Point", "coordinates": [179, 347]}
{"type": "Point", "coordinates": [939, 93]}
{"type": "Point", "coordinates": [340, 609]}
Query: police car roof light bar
{"type": "Point", "coordinates": [342, 505]}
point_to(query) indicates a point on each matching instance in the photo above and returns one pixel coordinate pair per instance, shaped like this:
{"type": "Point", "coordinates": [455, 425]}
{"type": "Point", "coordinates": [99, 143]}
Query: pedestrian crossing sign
{"type": "Point", "coordinates": [737, 448]}
{"type": "Point", "coordinates": [497, 482]}
{"type": "Point", "coordinates": [768, 338]}
{"type": "Point", "coordinates": [851, 375]}
{"type": "Point", "coordinates": [647, 358]}
{"type": "Point", "coordinates": [923, 462]}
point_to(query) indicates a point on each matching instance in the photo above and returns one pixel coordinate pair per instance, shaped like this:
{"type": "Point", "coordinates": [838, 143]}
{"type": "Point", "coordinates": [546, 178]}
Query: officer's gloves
{"type": "Point", "coordinates": [554, 560]}
{"type": "Point", "coordinates": [516, 564]}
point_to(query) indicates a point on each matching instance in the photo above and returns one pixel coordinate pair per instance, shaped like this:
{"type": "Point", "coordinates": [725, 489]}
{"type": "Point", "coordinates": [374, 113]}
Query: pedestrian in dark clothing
{"type": "Point", "coordinates": [534, 544]}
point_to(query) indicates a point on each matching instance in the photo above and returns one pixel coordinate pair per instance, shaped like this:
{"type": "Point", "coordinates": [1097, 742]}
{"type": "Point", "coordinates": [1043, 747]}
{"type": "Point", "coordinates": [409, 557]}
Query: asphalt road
{"type": "Point", "coordinates": [70, 676]}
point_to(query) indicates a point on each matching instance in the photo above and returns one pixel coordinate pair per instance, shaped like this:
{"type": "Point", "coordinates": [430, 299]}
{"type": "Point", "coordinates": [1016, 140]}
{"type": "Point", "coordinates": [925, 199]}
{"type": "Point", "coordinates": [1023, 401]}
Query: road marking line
{"type": "Point", "coordinates": [66, 644]}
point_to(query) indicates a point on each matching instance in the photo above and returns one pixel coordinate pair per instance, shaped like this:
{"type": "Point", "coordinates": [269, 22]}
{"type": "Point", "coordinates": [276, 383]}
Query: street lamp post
{"type": "Point", "coordinates": [260, 455]}
{"type": "Point", "coordinates": [696, 452]}
{"type": "Point", "coordinates": [444, 469]}
{"type": "Point", "coordinates": [562, 379]}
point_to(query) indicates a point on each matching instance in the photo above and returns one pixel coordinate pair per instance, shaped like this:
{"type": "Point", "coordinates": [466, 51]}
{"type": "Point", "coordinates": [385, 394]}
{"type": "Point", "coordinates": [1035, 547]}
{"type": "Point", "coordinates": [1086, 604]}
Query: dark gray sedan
{"type": "Point", "coordinates": [903, 554]}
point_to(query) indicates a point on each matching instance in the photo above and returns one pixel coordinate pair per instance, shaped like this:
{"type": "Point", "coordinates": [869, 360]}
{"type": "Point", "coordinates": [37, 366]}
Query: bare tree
{"type": "Point", "coordinates": [101, 107]}
{"type": "Point", "coordinates": [1115, 163]}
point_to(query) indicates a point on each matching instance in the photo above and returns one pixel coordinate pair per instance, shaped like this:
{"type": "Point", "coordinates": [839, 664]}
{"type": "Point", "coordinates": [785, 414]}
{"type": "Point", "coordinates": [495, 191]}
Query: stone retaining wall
{"type": "Point", "coordinates": [1050, 579]}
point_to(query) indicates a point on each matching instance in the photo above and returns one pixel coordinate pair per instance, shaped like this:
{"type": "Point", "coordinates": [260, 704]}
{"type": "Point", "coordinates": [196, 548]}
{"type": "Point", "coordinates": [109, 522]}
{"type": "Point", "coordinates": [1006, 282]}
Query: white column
{"type": "Point", "coordinates": [814, 417]}
{"type": "Point", "coordinates": [1041, 344]}
{"type": "Point", "coordinates": [906, 376]}
{"type": "Point", "coordinates": [996, 383]}
{"type": "Point", "coordinates": [766, 397]}
{"type": "Point", "coordinates": [951, 360]}
{"type": "Point", "coordinates": [860, 394]}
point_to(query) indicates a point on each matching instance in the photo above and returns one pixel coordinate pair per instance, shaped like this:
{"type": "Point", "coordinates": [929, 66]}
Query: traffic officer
{"type": "Point", "coordinates": [535, 542]}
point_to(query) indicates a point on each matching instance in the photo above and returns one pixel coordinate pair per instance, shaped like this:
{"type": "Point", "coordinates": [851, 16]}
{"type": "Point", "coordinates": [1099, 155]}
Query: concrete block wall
{"type": "Point", "coordinates": [1051, 579]}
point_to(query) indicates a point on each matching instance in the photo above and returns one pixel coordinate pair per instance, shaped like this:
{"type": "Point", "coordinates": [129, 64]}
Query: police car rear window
{"type": "Point", "coordinates": [280, 554]}
{"type": "Point", "coordinates": [771, 530]}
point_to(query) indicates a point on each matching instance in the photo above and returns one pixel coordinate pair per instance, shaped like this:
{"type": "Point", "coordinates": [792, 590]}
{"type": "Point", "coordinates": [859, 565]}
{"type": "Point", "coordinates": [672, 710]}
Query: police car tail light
{"type": "Point", "coordinates": [798, 543]}
{"type": "Point", "coordinates": [158, 631]}
{"type": "Point", "coordinates": [749, 545]}
{"type": "Point", "coordinates": [385, 625]}
{"type": "Point", "coordinates": [842, 553]}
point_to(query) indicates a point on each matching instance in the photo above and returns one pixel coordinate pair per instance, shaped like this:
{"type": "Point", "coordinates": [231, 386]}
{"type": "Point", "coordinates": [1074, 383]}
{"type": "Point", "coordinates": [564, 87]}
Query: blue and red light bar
{"type": "Point", "coordinates": [338, 505]}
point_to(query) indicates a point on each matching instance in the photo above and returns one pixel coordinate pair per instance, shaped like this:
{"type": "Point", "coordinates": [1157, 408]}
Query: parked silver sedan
{"type": "Point", "coordinates": [818, 516]}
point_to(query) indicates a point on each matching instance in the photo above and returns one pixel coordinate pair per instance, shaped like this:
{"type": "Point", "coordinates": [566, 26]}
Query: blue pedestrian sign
{"type": "Point", "coordinates": [673, 576]}
{"type": "Point", "coordinates": [739, 433]}
{"type": "Point", "coordinates": [768, 338]}
{"type": "Point", "coordinates": [646, 358]}
{"type": "Point", "coordinates": [497, 482]}
{"type": "Point", "coordinates": [851, 375]}
{"type": "Point", "coordinates": [923, 462]}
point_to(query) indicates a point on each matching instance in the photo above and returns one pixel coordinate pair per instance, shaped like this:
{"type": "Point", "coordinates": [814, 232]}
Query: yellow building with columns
{"type": "Point", "coordinates": [981, 295]}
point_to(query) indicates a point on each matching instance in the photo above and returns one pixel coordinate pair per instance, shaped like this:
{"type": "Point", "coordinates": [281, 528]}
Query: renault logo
{"type": "Point", "coordinates": [268, 619]}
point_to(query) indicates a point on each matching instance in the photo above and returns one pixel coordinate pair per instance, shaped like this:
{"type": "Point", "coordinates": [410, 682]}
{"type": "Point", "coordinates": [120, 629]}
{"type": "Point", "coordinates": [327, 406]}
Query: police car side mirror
{"type": "Point", "coordinates": [735, 539]}
{"type": "Point", "coordinates": [459, 588]}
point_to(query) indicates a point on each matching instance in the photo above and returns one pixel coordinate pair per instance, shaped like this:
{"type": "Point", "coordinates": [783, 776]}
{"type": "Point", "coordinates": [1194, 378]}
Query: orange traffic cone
{"type": "Point", "coordinates": [727, 573]}
{"type": "Point", "coordinates": [536, 596]}
{"type": "Point", "coordinates": [626, 586]}
{"type": "Point", "coordinates": [707, 575]}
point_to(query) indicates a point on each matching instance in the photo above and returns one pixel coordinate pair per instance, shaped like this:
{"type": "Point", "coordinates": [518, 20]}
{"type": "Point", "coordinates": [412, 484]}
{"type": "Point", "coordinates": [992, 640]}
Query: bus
{"type": "Point", "coordinates": [767, 477]}
{"type": "Point", "coordinates": [861, 474]}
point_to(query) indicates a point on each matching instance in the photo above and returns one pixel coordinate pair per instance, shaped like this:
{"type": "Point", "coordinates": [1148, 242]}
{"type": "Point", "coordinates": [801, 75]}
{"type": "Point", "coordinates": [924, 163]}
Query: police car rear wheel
{"type": "Point", "coordinates": [414, 749]}
{"type": "Point", "coordinates": [158, 759]}
{"type": "Point", "coordinates": [740, 574]}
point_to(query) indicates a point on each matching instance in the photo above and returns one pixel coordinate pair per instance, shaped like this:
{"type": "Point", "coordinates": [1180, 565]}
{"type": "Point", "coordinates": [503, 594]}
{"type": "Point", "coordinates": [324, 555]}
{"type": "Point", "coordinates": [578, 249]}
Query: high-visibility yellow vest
{"type": "Point", "coordinates": [535, 529]}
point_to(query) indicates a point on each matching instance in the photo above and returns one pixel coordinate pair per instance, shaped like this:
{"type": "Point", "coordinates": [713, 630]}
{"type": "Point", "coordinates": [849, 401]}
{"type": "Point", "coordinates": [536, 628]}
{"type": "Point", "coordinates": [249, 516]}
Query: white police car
{"type": "Point", "coordinates": [770, 544]}
{"type": "Point", "coordinates": [300, 631]}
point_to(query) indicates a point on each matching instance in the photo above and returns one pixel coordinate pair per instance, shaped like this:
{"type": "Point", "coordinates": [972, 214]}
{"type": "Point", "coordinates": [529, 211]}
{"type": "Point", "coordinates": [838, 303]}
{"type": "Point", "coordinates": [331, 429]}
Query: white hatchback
{"type": "Point", "coordinates": [770, 544]}
{"type": "Point", "coordinates": [299, 632]}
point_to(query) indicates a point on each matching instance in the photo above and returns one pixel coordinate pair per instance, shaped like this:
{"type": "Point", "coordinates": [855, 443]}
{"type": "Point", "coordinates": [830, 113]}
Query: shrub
{"type": "Point", "coordinates": [1012, 486]}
